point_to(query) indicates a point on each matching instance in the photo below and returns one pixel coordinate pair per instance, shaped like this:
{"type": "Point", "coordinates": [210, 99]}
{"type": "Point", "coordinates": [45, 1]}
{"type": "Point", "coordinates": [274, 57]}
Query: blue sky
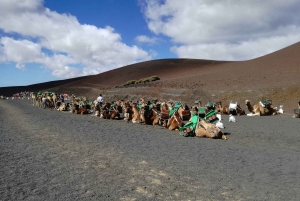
{"type": "Point", "coordinates": [45, 40]}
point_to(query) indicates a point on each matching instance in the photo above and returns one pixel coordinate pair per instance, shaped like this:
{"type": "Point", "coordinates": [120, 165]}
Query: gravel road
{"type": "Point", "coordinates": [50, 155]}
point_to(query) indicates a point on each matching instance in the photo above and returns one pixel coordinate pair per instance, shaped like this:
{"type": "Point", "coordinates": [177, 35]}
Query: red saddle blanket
{"type": "Point", "coordinates": [164, 114]}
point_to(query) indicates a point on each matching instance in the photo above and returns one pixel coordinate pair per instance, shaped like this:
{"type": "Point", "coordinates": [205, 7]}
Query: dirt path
{"type": "Point", "coordinates": [51, 155]}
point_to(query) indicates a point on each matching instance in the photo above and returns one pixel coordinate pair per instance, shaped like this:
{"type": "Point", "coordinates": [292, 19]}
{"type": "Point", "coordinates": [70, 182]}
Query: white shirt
{"type": "Point", "coordinates": [100, 99]}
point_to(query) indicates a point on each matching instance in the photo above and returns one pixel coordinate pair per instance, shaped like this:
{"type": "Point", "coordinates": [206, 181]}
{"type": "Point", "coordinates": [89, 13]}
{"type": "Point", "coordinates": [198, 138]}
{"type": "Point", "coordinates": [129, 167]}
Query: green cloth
{"type": "Point", "coordinates": [174, 109]}
{"type": "Point", "coordinates": [211, 116]}
{"type": "Point", "coordinates": [191, 124]}
{"type": "Point", "coordinates": [210, 104]}
{"type": "Point", "coordinates": [201, 110]}
{"type": "Point", "coordinates": [266, 102]}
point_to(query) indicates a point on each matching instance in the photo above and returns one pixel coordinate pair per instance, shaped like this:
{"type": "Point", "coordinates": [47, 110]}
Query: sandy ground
{"type": "Point", "coordinates": [51, 155]}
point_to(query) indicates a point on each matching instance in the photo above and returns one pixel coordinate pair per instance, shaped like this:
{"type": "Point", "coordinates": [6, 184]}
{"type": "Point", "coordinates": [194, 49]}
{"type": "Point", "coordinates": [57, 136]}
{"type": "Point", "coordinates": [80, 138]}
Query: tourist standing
{"type": "Point", "coordinates": [44, 101]}
{"type": "Point", "coordinates": [100, 99]}
{"type": "Point", "coordinates": [62, 98]}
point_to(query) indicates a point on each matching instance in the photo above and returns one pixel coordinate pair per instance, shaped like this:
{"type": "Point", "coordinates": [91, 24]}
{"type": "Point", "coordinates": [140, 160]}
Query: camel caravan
{"type": "Point", "coordinates": [196, 121]}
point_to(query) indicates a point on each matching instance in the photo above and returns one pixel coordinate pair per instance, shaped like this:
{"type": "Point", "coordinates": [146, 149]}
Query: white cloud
{"type": "Point", "coordinates": [225, 30]}
{"type": "Point", "coordinates": [25, 51]}
{"type": "Point", "coordinates": [146, 39]}
{"type": "Point", "coordinates": [21, 51]}
{"type": "Point", "coordinates": [98, 49]}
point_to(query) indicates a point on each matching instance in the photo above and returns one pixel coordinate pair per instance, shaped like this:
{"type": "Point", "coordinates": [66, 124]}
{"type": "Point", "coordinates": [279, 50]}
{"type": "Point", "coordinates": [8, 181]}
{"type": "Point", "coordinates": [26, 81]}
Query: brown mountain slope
{"type": "Point", "coordinates": [273, 76]}
{"type": "Point", "coordinates": [164, 69]}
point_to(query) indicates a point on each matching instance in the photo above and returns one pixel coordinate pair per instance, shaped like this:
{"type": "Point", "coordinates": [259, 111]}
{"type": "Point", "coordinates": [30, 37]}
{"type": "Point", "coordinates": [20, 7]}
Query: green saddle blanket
{"type": "Point", "coordinates": [201, 110]}
{"type": "Point", "coordinates": [297, 111]}
{"type": "Point", "coordinates": [174, 109]}
{"type": "Point", "coordinates": [265, 103]}
{"type": "Point", "coordinates": [210, 116]}
{"type": "Point", "coordinates": [210, 104]}
{"type": "Point", "coordinates": [189, 128]}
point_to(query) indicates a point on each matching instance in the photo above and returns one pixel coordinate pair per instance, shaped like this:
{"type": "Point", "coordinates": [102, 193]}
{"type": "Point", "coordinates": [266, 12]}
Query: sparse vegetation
{"type": "Point", "coordinates": [130, 82]}
{"type": "Point", "coordinates": [142, 80]}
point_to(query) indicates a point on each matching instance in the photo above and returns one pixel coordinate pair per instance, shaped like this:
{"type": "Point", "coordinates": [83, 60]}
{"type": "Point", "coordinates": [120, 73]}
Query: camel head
{"type": "Point", "coordinates": [199, 103]}
{"type": "Point", "coordinates": [219, 104]}
{"type": "Point", "coordinates": [169, 104]}
{"type": "Point", "coordinates": [194, 108]}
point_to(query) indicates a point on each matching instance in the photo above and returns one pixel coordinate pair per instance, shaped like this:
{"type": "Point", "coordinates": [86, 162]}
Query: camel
{"type": "Point", "coordinates": [115, 111]}
{"type": "Point", "coordinates": [222, 110]}
{"type": "Point", "coordinates": [261, 109]}
{"type": "Point", "coordinates": [210, 106]}
{"type": "Point", "coordinates": [75, 108]}
{"type": "Point", "coordinates": [164, 114]}
{"type": "Point", "coordinates": [136, 115]}
{"type": "Point", "coordinates": [38, 100]}
{"type": "Point", "coordinates": [33, 97]}
{"type": "Point", "coordinates": [127, 110]}
{"type": "Point", "coordinates": [96, 108]}
{"type": "Point", "coordinates": [209, 130]}
{"type": "Point", "coordinates": [184, 112]}
{"type": "Point", "coordinates": [142, 100]}
{"type": "Point", "coordinates": [297, 111]}
{"type": "Point", "coordinates": [199, 109]}
{"type": "Point", "coordinates": [155, 116]}
{"type": "Point", "coordinates": [175, 121]}
{"type": "Point", "coordinates": [105, 111]}
{"type": "Point", "coordinates": [232, 108]}
{"type": "Point", "coordinates": [146, 114]}
{"type": "Point", "coordinates": [235, 109]}
{"type": "Point", "coordinates": [62, 107]}
{"type": "Point", "coordinates": [82, 110]}
{"type": "Point", "coordinates": [52, 98]}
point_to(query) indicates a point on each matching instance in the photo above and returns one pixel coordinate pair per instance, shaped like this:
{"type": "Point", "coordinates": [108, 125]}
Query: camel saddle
{"type": "Point", "coordinates": [164, 114]}
{"type": "Point", "coordinates": [189, 128]}
{"type": "Point", "coordinates": [186, 114]}
{"type": "Point", "coordinates": [173, 110]}
{"type": "Point", "coordinates": [210, 105]}
{"type": "Point", "coordinates": [266, 103]}
{"type": "Point", "coordinates": [201, 110]}
{"type": "Point", "coordinates": [210, 116]}
{"type": "Point", "coordinates": [297, 111]}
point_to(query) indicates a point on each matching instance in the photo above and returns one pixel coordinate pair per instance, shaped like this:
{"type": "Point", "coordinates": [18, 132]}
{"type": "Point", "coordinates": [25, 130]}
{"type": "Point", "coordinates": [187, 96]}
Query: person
{"type": "Point", "coordinates": [100, 99]}
{"type": "Point", "coordinates": [62, 98]}
{"type": "Point", "coordinates": [44, 101]}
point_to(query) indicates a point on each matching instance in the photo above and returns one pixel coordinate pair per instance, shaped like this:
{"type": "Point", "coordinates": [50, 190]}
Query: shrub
{"type": "Point", "coordinates": [142, 80]}
{"type": "Point", "coordinates": [129, 82]}
{"type": "Point", "coordinates": [153, 78]}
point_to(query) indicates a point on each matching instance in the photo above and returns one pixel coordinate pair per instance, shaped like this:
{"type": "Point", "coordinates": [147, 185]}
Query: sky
{"type": "Point", "coordinates": [46, 40]}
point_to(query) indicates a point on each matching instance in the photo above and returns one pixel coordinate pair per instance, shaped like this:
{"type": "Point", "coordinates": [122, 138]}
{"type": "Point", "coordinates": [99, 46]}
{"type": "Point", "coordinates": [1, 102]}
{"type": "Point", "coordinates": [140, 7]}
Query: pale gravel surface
{"type": "Point", "coordinates": [51, 155]}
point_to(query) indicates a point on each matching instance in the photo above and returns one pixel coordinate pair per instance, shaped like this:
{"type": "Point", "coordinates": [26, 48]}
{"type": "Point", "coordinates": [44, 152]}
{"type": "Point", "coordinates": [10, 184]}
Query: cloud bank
{"type": "Point", "coordinates": [224, 30]}
{"type": "Point", "coordinates": [59, 42]}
